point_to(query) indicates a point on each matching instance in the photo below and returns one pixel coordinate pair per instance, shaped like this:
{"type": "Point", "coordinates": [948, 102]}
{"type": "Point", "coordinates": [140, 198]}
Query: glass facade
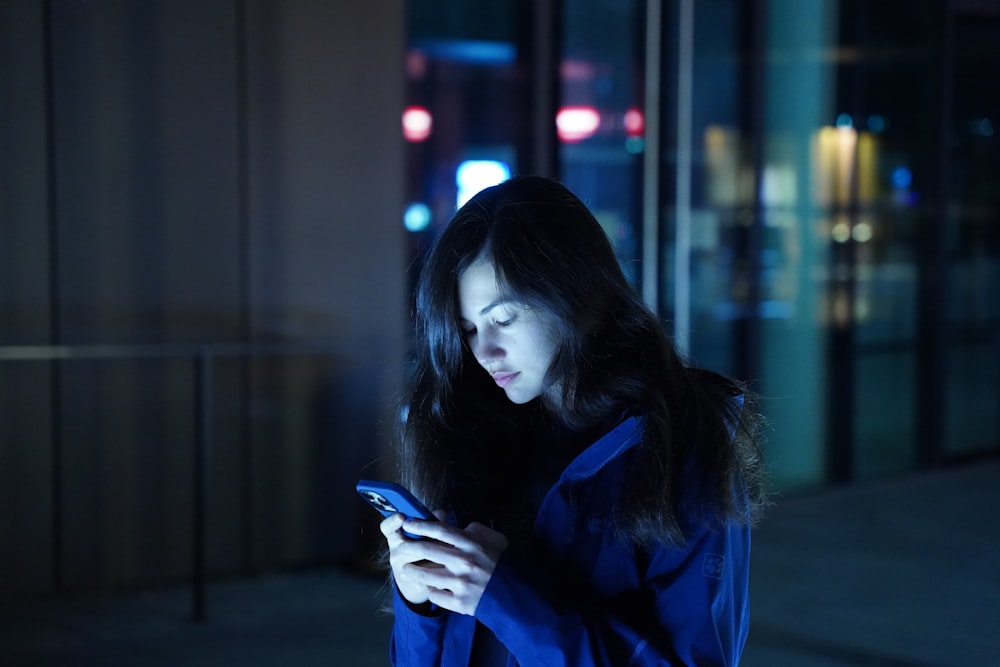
{"type": "Point", "coordinates": [826, 211]}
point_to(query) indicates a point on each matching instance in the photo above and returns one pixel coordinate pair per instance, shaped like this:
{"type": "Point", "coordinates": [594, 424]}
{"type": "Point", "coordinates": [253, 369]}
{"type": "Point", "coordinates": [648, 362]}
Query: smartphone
{"type": "Point", "coordinates": [389, 498]}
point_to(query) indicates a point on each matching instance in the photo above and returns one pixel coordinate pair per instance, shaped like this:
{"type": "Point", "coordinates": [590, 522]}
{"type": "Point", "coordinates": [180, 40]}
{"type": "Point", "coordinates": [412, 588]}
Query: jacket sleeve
{"type": "Point", "coordinates": [694, 611]}
{"type": "Point", "coordinates": [417, 639]}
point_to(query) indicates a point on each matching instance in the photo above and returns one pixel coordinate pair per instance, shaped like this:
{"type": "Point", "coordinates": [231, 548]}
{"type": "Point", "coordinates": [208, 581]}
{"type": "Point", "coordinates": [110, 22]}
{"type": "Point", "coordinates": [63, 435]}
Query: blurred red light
{"type": "Point", "coordinates": [635, 123]}
{"type": "Point", "coordinates": [577, 123]}
{"type": "Point", "coordinates": [417, 123]}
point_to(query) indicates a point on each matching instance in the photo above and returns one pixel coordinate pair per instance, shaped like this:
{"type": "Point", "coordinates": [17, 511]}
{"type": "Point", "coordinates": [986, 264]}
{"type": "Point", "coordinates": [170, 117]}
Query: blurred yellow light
{"type": "Point", "coordinates": [862, 232]}
{"type": "Point", "coordinates": [841, 232]}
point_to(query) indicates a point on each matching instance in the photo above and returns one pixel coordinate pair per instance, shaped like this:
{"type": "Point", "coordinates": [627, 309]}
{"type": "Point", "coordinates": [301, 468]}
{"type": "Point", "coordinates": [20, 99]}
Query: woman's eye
{"type": "Point", "coordinates": [505, 323]}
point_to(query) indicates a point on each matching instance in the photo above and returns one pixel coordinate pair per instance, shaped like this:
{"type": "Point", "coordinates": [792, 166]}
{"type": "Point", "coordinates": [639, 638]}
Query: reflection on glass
{"type": "Point", "coordinates": [600, 123]}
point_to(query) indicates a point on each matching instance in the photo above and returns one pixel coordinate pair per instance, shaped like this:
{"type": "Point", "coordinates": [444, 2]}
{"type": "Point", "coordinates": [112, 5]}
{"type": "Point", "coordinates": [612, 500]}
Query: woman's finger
{"type": "Point", "coordinates": [390, 528]}
{"type": "Point", "coordinates": [492, 542]}
{"type": "Point", "coordinates": [439, 531]}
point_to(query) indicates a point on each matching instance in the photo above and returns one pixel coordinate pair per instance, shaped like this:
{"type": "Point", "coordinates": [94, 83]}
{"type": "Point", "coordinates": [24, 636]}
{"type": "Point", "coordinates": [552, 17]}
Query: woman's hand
{"type": "Point", "coordinates": [449, 568]}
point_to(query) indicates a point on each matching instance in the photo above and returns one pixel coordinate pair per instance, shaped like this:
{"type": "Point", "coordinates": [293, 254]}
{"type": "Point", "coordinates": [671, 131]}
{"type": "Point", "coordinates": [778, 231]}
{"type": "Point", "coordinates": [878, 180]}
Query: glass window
{"type": "Point", "coordinates": [600, 119]}
{"type": "Point", "coordinates": [973, 308]}
{"type": "Point", "coordinates": [884, 100]}
{"type": "Point", "coordinates": [720, 194]}
{"type": "Point", "coordinates": [465, 116]}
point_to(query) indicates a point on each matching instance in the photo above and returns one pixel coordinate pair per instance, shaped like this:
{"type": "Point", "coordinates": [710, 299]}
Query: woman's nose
{"type": "Point", "coordinates": [487, 349]}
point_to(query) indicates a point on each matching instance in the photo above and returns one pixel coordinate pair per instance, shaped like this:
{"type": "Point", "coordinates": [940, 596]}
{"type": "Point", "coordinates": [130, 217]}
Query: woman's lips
{"type": "Point", "coordinates": [504, 379]}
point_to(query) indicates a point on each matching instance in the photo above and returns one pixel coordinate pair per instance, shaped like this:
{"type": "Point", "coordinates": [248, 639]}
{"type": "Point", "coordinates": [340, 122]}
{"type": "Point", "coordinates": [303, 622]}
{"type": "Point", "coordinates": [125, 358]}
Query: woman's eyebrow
{"type": "Point", "coordinates": [499, 302]}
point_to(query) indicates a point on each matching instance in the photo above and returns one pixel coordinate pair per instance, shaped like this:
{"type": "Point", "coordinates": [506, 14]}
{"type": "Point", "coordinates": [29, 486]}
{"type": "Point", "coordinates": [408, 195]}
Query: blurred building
{"type": "Point", "coordinates": [211, 215]}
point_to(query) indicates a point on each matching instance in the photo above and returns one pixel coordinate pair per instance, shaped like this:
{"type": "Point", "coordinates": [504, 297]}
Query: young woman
{"type": "Point", "coordinates": [596, 493]}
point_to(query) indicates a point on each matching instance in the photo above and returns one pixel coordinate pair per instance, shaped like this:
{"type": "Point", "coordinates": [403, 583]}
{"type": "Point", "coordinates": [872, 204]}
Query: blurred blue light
{"type": "Point", "coordinates": [902, 177]}
{"type": "Point", "coordinates": [417, 217]}
{"type": "Point", "coordinates": [469, 51]}
{"type": "Point", "coordinates": [876, 123]}
{"type": "Point", "coordinates": [844, 120]}
{"type": "Point", "coordinates": [474, 175]}
{"type": "Point", "coordinates": [634, 145]}
{"type": "Point", "coordinates": [983, 127]}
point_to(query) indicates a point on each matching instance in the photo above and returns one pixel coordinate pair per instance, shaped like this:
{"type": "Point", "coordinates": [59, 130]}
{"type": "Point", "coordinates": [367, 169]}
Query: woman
{"type": "Point", "coordinates": [597, 493]}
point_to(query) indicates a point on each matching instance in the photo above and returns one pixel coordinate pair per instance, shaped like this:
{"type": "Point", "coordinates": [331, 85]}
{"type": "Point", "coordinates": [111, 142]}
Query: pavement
{"type": "Point", "coordinates": [901, 572]}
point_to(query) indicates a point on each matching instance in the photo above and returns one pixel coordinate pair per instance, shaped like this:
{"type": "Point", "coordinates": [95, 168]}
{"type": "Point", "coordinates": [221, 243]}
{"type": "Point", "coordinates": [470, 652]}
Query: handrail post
{"type": "Point", "coordinates": [202, 446]}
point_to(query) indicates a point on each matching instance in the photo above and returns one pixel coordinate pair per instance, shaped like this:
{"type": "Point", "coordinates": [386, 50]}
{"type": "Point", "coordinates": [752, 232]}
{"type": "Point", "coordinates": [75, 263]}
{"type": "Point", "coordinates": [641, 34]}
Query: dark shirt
{"type": "Point", "coordinates": [550, 449]}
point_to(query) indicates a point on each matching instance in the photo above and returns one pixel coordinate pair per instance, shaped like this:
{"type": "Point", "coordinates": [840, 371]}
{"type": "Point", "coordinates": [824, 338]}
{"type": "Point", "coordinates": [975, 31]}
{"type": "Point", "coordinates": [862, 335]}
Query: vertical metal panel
{"type": "Point", "coordinates": [55, 330]}
{"type": "Point", "coordinates": [682, 206]}
{"type": "Point", "coordinates": [652, 155]}
{"type": "Point", "coordinates": [245, 471]}
{"type": "Point", "coordinates": [748, 340]}
{"type": "Point", "coordinates": [544, 53]}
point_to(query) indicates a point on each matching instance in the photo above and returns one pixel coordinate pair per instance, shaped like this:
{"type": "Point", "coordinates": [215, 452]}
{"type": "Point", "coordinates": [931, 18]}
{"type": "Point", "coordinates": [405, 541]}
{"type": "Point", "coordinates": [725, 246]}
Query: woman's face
{"type": "Point", "coordinates": [512, 341]}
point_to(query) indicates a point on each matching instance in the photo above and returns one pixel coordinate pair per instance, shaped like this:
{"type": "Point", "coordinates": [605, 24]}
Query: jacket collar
{"type": "Point", "coordinates": [608, 447]}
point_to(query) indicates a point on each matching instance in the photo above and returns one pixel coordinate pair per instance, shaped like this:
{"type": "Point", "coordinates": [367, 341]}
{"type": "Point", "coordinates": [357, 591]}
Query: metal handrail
{"type": "Point", "coordinates": [202, 355]}
{"type": "Point", "coordinates": [163, 350]}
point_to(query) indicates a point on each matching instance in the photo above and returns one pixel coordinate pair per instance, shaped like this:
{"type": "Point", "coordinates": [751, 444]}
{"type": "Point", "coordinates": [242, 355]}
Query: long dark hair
{"type": "Point", "coordinates": [699, 460]}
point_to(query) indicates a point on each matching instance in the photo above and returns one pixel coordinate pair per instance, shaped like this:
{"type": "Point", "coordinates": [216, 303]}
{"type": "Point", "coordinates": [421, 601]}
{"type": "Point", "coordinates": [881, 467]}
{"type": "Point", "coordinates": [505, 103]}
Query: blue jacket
{"type": "Point", "coordinates": [599, 600]}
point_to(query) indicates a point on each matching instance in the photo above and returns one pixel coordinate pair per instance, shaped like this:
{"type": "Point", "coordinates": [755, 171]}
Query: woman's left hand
{"type": "Point", "coordinates": [465, 562]}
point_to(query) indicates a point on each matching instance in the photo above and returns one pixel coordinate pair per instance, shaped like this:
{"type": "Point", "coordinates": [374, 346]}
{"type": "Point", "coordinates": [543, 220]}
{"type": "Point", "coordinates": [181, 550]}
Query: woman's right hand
{"type": "Point", "coordinates": [403, 552]}
{"type": "Point", "coordinates": [449, 567]}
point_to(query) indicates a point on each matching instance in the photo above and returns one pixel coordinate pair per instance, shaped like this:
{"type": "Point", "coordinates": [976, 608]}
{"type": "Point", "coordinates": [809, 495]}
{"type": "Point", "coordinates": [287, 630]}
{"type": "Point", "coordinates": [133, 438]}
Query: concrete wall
{"type": "Point", "coordinates": [176, 172]}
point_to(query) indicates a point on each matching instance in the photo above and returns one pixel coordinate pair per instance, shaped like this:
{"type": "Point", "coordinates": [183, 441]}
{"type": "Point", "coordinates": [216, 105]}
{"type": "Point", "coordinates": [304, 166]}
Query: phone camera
{"type": "Point", "coordinates": [380, 502]}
